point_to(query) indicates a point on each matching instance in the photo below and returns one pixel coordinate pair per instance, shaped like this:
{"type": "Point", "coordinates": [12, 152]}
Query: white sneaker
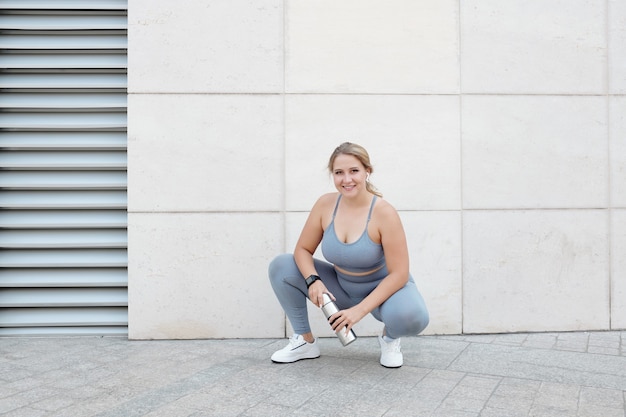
{"type": "Point", "coordinates": [390, 355]}
{"type": "Point", "coordinates": [297, 349]}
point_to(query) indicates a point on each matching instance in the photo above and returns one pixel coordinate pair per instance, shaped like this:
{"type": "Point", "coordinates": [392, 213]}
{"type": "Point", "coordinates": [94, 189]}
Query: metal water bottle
{"type": "Point", "coordinates": [329, 308]}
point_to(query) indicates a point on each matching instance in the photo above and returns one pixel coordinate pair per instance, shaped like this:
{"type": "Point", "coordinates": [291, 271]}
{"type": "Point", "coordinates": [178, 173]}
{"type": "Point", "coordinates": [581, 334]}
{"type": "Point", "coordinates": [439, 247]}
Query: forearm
{"type": "Point", "coordinates": [387, 287]}
{"type": "Point", "coordinates": [306, 265]}
{"type": "Point", "coordinates": [304, 261]}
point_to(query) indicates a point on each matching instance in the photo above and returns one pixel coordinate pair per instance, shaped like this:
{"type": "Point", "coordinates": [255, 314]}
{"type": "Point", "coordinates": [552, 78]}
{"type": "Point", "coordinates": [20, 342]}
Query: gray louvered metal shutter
{"type": "Point", "coordinates": [63, 220]}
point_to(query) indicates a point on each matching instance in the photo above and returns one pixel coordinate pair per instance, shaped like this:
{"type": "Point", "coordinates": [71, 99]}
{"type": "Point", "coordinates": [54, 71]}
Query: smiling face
{"type": "Point", "coordinates": [349, 175]}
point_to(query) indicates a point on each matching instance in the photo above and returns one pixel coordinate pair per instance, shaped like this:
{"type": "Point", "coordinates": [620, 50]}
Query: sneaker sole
{"type": "Point", "coordinates": [391, 367]}
{"type": "Point", "coordinates": [301, 359]}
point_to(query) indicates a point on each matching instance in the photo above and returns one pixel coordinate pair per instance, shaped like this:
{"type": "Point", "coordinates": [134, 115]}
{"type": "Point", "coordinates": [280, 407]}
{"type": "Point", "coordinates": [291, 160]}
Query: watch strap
{"type": "Point", "coordinates": [311, 279]}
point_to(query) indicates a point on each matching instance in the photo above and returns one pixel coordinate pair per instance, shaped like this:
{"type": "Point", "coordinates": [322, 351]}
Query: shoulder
{"type": "Point", "coordinates": [386, 221]}
{"type": "Point", "coordinates": [324, 205]}
{"type": "Point", "coordinates": [325, 201]}
{"type": "Point", "coordinates": [386, 216]}
{"type": "Point", "coordinates": [322, 210]}
{"type": "Point", "coordinates": [384, 208]}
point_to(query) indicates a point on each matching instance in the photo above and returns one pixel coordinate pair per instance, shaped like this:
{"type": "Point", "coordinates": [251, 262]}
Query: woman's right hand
{"type": "Point", "coordinates": [316, 291]}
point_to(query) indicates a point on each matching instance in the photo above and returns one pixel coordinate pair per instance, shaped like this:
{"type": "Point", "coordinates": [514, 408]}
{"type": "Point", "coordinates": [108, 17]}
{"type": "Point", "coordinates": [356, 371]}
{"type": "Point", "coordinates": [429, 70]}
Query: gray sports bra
{"type": "Point", "coordinates": [363, 255]}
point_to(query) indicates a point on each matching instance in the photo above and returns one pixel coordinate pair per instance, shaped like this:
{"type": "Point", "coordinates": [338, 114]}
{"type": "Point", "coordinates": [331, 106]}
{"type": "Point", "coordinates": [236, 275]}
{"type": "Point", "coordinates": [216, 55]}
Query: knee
{"type": "Point", "coordinates": [409, 322]}
{"type": "Point", "coordinates": [418, 321]}
{"type": "Point", "coordinates": [280, 266]}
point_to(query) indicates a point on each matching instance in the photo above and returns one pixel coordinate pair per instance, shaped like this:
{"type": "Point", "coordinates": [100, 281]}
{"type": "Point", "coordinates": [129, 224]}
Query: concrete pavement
{"type": "Point", "coordinates": [537, 374]}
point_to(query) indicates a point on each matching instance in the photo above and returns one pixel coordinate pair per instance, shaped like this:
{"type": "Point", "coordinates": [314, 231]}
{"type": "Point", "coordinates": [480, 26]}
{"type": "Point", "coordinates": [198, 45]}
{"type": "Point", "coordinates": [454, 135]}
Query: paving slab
{"type": "Point", "coordinates": [580, 374]}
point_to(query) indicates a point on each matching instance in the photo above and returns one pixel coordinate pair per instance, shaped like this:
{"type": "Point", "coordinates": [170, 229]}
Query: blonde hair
{"type": "Point", "coordinates": [359, 152]}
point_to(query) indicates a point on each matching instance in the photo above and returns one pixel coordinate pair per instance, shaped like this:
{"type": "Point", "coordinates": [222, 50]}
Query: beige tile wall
{"type": "Point", "coordinates": [205, 46]}
{"type": "Point", "coordinates": [496, 128]}
{"type": "Point", "coordinates": [618, 269]}
{"type": "Point", "coordinates": [372, 46]}
{"type": "Point", "coordinates": [535, 270]}
{"type": "Point", "coordinates": [534, 152]}
{"type": "Point", "coordinates": [533, 47]}
{"type": "Point", "coordinates": [617, 46]}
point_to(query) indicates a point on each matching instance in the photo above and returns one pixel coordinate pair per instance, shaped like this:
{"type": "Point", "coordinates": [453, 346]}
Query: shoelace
{"type": "Point", "coordinates": [293, 341]}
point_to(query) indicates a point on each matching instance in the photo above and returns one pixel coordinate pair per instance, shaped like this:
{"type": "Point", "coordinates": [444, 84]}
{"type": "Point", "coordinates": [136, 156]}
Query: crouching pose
{"type": "Point", "coordinates": [368, 270]}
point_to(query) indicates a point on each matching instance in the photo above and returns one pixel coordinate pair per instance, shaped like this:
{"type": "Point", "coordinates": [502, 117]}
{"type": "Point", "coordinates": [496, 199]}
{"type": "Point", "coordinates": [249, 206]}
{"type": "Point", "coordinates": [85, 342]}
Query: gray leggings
{"type": "Point", "coordinates": [404, 313]}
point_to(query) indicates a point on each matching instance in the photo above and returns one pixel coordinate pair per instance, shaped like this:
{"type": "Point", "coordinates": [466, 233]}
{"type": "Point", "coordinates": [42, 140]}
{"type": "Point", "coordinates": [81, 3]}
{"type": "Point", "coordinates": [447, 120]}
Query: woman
{"type": "Point", "coordinates": [363, 239]}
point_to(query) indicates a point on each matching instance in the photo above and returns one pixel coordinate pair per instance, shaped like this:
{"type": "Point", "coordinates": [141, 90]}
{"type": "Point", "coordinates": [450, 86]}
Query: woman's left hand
{"type": "Point", "coordinates": [346, 318]}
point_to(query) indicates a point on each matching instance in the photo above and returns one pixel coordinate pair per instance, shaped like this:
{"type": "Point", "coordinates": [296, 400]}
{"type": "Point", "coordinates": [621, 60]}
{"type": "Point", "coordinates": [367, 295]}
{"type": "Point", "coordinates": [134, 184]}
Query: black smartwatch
{"type": "Point", "coordinates": [311, 279]}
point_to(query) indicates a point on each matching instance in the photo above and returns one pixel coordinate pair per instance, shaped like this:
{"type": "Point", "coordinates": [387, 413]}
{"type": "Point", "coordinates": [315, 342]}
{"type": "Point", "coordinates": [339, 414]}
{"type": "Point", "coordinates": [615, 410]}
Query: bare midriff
{"type": "Point", "coordinates": [358, 274]}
